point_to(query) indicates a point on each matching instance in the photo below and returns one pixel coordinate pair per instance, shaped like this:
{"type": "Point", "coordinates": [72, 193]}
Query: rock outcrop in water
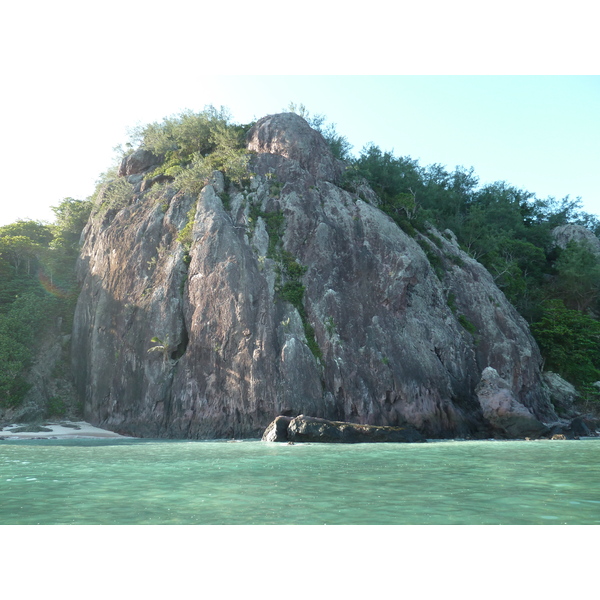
{"type": "Point", "coordinates": [297, 297]}
{"type": "Point", "coordinates": [311, 429]}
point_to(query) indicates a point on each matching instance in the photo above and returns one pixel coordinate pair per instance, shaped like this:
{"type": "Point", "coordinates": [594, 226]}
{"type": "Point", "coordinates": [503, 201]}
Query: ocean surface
{"type": "Point", "coordinates": [151, 482]}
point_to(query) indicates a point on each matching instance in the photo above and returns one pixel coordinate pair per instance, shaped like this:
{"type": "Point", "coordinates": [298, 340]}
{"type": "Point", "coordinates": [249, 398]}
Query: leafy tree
{"type": "Point", "coordinates": [19, 328]}
{"type": "Point", "coordinates": [578, 276]}
{"type": "Point", "coordinates": [14, 358]}
{"type": "Point", "coordinates": [37, 285]}
{"type": "Point", "coordinates": [193, 145]}
{"type": "Point", "coordinates": [71, 217]}
{"type": "Point", "coordinates": [570, 342]}
{"type": "Point", "coordinates": [20, 252]}
{"type": "Point", "coordinates": [226, 156]}
{"type": "Point", "coordinates": [37, 232]}
{"type": "Point", "coordinates": [518, 268]}
{"type": "Point", "coordinates": [185, 134]}
{"type": "Point", "coordinates": [388, 175]}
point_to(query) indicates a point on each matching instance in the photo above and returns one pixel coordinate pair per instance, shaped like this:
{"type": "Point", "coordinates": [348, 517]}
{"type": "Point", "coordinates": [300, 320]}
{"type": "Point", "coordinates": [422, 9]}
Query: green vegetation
{"type": "Point", "coordinates": [57, 406]}
{"type": "Point", "coordinates": [330, 326]}
{"type": "Point", "coordinates": [113, 194]}
{"type": "Point", "coordinates": [193, 145]}
{"type": "Point", "coordinates": [162, 346]}
{"type": "Point", "coordinates": [38, 288]}
{"type": "Point", "coordinates": [184, 237]}
{"type": "Point", "coordinates": [434, 260]}
{"type": "Point", "coordinates": [570, 342]}
{"type": "Point", "coordinates": [289, 271]}
{"type": "Point", "coordinates": [451, 301]}
{"type": "Point", "coordinates": [467, 324]}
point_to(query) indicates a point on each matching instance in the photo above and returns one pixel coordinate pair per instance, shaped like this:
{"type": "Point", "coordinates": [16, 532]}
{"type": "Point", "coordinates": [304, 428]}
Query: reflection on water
{"type": "Point", "coordinates": [186, 482]}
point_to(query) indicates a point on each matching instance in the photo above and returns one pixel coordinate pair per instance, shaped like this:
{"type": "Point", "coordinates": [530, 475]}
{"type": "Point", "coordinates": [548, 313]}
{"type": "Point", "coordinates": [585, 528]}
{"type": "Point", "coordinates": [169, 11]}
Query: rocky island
{"type": "Point", "coordinates": [212, 310]}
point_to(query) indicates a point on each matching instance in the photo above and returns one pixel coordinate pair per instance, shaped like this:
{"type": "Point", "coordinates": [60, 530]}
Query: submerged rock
{"type": "Point", "coordinates": [311, 429]}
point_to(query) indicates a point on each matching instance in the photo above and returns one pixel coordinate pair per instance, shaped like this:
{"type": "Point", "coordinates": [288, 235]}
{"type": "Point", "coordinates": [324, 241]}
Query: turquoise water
{"type": "Point", "coordinates": [150, 482]}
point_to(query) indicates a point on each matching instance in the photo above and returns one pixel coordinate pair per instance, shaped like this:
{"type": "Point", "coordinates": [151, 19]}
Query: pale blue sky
{"type": "Point", "coordinates": [77, 79]}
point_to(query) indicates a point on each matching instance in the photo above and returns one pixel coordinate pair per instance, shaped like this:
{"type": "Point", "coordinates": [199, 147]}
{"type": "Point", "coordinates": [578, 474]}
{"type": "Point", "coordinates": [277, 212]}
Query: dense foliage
{"type": "Point", "coordinates": [37, 288]}
{"type": "Point", "coordinates": [570, 342]}
{"type": "Point", "coordinates": [194, 145]}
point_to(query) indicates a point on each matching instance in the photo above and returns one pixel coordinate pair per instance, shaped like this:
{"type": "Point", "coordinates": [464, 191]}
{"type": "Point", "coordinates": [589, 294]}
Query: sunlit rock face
{"type": "Point", "coordinates": [395, 341]}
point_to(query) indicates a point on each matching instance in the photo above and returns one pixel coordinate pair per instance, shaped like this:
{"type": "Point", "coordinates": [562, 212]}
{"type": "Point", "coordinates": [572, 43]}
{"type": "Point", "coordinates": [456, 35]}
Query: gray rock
{"type": "Point", "coordinates": [289, 135]}
{"type": "Point", "coordinates": [311, 429]}
{"type": "Point", "coordinates": [579, 428]}
{"type": "Point", "coordinates": [503, 411]}
{"type": "Point", "coordinates": [139, 161]}
{"type": "Point", "coordinates": [562, 394]}
{"type": "Point", "coordinates": [575, 233]}
{"type": "Point", "coordinates": [277, 430]}
{"type": "Point", "coordinates": [572, 430]}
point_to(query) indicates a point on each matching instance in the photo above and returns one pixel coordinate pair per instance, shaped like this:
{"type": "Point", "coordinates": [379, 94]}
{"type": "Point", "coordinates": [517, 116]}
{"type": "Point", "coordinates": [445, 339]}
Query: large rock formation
{"type": "Point", "coordinates": [387, 330]}
{"type": "Point", "coordinates": [506, 415]}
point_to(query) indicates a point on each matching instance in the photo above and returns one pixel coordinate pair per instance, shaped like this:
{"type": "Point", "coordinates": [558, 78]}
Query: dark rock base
{"type": "Point", "coordinates": [312, 429]}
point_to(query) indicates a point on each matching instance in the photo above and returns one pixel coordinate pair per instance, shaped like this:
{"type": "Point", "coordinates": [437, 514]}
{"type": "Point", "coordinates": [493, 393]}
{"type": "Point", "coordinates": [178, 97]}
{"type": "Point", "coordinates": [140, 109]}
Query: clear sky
{"type": "Point", "coordinates": [76, 79]}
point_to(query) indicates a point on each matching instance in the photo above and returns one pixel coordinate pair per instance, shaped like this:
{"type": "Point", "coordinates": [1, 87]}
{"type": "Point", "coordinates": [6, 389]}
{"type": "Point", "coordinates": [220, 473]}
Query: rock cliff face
{"type": "Point", "coordinates": [383, 329]}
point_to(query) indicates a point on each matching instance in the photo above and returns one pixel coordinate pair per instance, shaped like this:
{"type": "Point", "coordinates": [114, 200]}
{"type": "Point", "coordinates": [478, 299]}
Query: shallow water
{"type": "Point", "coordinates": [124, 482]}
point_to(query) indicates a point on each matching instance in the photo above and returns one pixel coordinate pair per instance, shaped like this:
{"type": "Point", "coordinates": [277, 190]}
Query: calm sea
{"type": "Point", "coordinates": [150, 482]}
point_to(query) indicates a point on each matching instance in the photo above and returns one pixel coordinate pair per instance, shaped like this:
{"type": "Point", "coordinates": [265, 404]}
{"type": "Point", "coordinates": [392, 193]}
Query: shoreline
{"type": "Point", "coordinates": [57, 430]}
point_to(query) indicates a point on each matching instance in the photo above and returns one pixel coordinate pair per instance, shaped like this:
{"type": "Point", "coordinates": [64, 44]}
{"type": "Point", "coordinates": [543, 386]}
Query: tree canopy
{"type": "Point", "coordinates": [37, 286]}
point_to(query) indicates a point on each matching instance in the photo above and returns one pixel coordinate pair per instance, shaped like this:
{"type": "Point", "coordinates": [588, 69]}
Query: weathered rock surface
{"type": "Point", "coordinates": [277, 430]}
{"type": "Point", "coordinates": [311, 429]}
{"type": "Point", "coordinates": [289, 136]}
{"type": "Point", "coordinates": [563, 395]}
{"type": "Point", "coordinates": [396, 341]}
{"type": "Point", "coordinates": [572, 430]}
{"type": "Point", "coordinates": [575, 233]}
{"type": "Point", "coordinates": [504, 412]}
{"type": "Point", "coordinates": [139, 161]}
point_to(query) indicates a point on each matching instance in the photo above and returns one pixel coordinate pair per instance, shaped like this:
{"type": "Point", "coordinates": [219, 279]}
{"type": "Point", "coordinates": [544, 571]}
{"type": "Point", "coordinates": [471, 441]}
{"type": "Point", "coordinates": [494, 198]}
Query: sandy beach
{"type": "Point", "coordinates": [52, 430]}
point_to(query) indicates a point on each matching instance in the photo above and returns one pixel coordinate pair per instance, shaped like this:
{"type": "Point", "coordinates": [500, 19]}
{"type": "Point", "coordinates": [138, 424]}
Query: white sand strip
{"type": "Point", "coordinates": [58, 431]}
